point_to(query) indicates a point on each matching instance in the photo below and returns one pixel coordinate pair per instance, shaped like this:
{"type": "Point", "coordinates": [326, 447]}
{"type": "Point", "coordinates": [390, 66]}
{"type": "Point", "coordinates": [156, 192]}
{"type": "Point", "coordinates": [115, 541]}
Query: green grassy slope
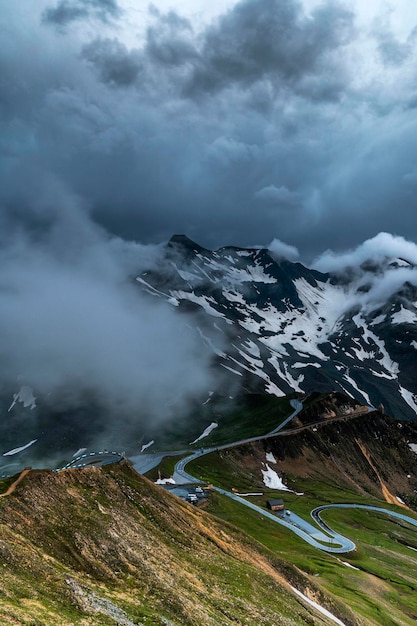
{"type": "Point", "coordinates": [247, 415]}
{"type": "Point", "coordinates": [366, 460]}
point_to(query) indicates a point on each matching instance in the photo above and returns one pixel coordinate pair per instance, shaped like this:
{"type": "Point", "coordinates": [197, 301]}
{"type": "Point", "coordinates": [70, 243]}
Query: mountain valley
{"type": "Point", "coordinates": [105, 545]}
{"type": "Point", "coordinates": [311, 402]}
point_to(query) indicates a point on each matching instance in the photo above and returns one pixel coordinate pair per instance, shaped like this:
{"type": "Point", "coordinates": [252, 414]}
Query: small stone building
{"type": "Point", "coordinates": [275, 505]}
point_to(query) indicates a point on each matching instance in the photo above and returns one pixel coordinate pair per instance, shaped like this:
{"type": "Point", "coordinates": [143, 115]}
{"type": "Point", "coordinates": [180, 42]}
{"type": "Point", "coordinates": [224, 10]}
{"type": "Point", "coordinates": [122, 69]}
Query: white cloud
{"type": "Point", "coordinates": [382, 246]}
{"type": "Point", "coordinates": [281, 250]}
{"type": "Point", "coordinates": [376, 265]}
{"type": "Point", "coordinates": [73, 319]}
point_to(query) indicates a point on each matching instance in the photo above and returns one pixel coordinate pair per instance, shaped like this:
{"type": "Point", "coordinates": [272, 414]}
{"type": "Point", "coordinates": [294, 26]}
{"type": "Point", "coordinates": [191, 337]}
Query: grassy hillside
{"type": "Point", "coordinates": [365, 460]}
{"type": "Point", "coordinates": [246, 415]}
{"type": "Point", "coordinates": [106, 546]}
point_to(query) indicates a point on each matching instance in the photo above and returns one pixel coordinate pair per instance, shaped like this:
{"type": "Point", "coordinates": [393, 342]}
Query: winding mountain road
{"type": "Point", "coordinates": [324, 537]}
{"type": "Point", "coordinates": [315, 513]}
{"type": "Point", "coordinates": [332, 542]}
{"type": "Point", "coordinates": [93, 459]}
{"type": "Point", "coordinates": [180, 475]}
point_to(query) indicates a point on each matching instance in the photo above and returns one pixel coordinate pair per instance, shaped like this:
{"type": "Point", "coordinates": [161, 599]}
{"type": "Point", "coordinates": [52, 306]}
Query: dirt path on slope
{"type": "Point", "coordinates": [389, 497]}
{"type": "Point", "coordinates": [16, 482]}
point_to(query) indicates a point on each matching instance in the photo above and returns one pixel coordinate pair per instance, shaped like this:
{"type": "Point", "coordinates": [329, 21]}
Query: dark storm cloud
{"type": "Point", "coordinates": [264, 38]}
{"type": "Point", "coordinates": [278, 196]}
{"type": "Point", "coordinates": [67, 11]}
{"type": "Point", "coordinates": [392, 51]}
{"type": "Point", "coordinates": [168, 45]}
{"type": "Point", "coordinates": [256, 41]}
{"type": "Point", "coordinates": [114, 62]}
{"type": "Point", "coordinates": [168, 41]}
{"type": "Point", "coordinates": [271, 124]}
{"type": "Point", "coordinates": [267, 123]}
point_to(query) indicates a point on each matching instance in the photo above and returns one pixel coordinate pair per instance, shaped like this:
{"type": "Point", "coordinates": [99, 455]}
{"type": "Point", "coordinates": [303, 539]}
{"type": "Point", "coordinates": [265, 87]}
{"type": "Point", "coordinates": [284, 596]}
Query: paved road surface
{"type": "Point", "coordinates": [93, 459]}
{"type": "Point", "coordinates": [324, 537]}
{"type": "Point", "coordinates": [315, 513]}
{"type": "Point", "coordinates": [332, 542]}
{"type": "Point", "coordinates": [181, 476]}
{"type": "Point", "coordinates": [297, 406]}
{"type": "Point", "coordinates": [144, 462]}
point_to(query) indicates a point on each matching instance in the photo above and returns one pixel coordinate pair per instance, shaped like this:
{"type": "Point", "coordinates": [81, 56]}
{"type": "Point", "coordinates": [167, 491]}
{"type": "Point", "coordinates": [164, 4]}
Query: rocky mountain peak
{"type": "Point", "coordinates": [293, 328]}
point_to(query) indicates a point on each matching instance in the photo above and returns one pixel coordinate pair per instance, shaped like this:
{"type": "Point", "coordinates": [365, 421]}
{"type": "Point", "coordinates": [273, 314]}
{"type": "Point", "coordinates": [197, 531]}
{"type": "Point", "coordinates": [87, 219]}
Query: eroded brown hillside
{"type": "Point", "coordinates": [334, 441]}
{"type": "Point", "coordinates": [105, 546]}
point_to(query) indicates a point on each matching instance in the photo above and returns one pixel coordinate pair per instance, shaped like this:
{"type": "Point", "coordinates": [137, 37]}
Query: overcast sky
{"type": "Point", "coordinates": [284, 123]}
{"type": "Point", "coordinates": [233, 122]}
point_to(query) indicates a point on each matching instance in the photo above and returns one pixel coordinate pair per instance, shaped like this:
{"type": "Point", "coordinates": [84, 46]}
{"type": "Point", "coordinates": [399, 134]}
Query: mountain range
{"type": "Point", "coordinates": [272, 327]}
{"type": "Point", "coordinates": [281, 327]}
{"type": "Point", "coordinates": [103, 545]}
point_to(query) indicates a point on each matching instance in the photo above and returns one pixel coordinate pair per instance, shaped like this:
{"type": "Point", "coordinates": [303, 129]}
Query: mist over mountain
{"type": "Point", "coordinates": [279, 136]}
{"type": "Point", "coordinates": [98, 355]}
{"type": "Point", "coordinates": [103, 338]}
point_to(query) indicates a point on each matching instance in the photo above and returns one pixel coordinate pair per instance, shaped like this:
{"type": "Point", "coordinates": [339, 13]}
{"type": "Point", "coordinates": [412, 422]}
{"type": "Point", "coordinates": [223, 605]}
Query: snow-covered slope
{"type": "Point", "coordinates": [292, 328]}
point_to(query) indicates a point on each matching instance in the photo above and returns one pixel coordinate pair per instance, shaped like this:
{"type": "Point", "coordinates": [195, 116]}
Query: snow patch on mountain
{"type": "Point", "coordinates": [20, 449]}
{"type": "Point", "coordinates": [272, 480]}
{"type": "Point", "coordinates": [361, 353]}
{"type": "Point", "coordinates": [255, 366]}
{"type": "Point", "coordinates": [352, 382]}
{"type": "Point", "coordinates": [253, 272]}
{"type": "Point", "coordinates": [390, 366]}
{"type": "Point", "coordinates": [79, 452]}
{"type": "Point", "coordinates": [205, 432]}
{"type": "Point", "coordinates": [231, 369]}
{"type": "Point", "coordinates": [210, 343]}
{"type": "Point", "coordinates": [409, 397]}
{"type": "Point", "coordinates": [189, 277]}
{"type": "Point", "coordinates": [252, 348]}
{"type": "Point", "coordinates": [209, 397]}
{"type": "Point", "coordinates": [146, 446]}
{"type": "Point", "coordinates": [379, 319]}
{"type": "Point", "coordinates": [150, 288]}
{"type": "Point", "coordinates": [400, 263]}
{"type": "Point", "coordinates": [270, 457]}
{"type": "Point", "coordinates": [25, 396]}
{"type": "Point", "coordinates": [380, 374]}
{"type": "Point", "coordinates": [404, 316]}
{"type": "Point", "coordinates": [301, 365]}
{"type": "Point", "coordinates": [206, 302]}
{"type": "Point", "coordinates": [234, 296]}
{"type": "Point", "coordinates": [273, 389]}
{"type": "Point", "coordinates": [318, 607]}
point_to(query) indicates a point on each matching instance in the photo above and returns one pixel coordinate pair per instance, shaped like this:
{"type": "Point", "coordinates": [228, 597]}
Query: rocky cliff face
{"type": "Point", "coordinates": [334, 443]}
{"type": "Point", "coordinates": [284, 327]}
